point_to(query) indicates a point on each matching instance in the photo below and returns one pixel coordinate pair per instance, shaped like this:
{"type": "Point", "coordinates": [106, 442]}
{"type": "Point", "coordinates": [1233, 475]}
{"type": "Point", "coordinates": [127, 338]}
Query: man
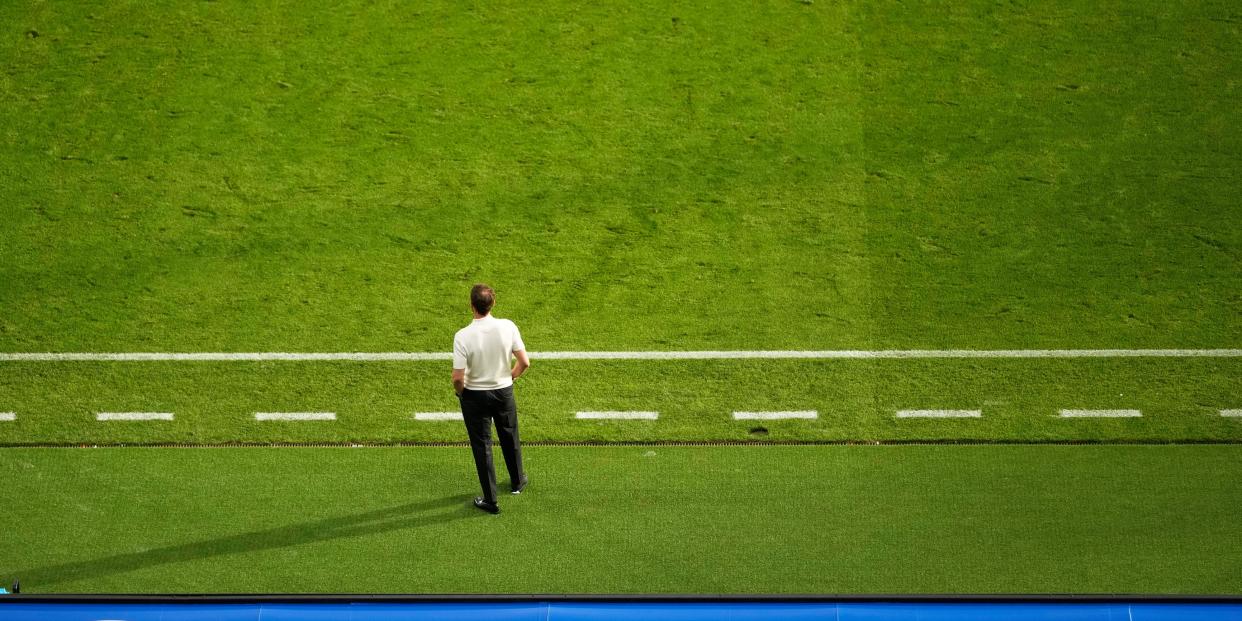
{"type": "Point", "coordinates": [483, 380]}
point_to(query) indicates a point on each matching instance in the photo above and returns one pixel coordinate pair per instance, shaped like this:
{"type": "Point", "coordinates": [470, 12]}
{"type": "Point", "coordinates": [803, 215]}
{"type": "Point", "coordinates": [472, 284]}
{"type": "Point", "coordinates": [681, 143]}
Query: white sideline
{"type": "Point", "coordinates": [1234, 413]}
{"type": "Point", "coordinates": [8, 416]}
{"type": "Point", "coordinates": [295, 416]}
{"type": "Point", "coordinates": [627, 355]}
{"type": "Point", "coordinates": [1100, 413]}
{"type": "Point", "coordinates": [939, 413]}
{"type": "Point", "coordinates": [134, 416]}
{"type": "Point", "coordinates": [618, 415]}
{"type": "Point", "coordinates": [774, 415]}
{"type": "Point", "coordinates": [437, 416]}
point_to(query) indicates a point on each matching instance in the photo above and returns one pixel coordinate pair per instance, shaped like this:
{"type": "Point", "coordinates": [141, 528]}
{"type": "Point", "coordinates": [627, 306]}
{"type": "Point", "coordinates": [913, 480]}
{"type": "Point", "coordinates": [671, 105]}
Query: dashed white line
{"type": "Point", "coordinates": [1100, 413]}
{"type": "Point", "coordinates": [295, 416]}
{"type": "Point", "coordinates": [134, 416]}
{"type": "Point", "coordinates": [774, 415]}
{"type": "Point", "coordinates": [618, 415]}
{"type": "Point", "coordinates": [626, 355]}
{"type": "Point", "coordinates": [939, 413]}
{"type": "Point", "coordinates": [437, 416]}
{"type": "Point", "coordinates": [632, 415]}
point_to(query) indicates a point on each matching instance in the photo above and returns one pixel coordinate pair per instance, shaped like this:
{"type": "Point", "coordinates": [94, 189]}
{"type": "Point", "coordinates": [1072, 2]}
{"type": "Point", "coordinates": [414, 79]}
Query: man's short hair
{"type": "Point", "coordinates": [482, 298]}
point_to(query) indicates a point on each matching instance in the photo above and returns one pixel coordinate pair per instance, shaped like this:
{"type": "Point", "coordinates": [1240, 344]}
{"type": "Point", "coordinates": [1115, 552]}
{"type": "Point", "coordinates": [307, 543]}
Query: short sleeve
{"type": "Point", "coordinates": [459, 353]}
{"type": "Point", "coordinates": [518, 345]}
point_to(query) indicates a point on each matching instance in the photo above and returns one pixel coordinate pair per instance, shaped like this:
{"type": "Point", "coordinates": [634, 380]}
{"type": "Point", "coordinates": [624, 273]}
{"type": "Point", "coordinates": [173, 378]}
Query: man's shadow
{"type": "Point", "coordinates": [412, 515]}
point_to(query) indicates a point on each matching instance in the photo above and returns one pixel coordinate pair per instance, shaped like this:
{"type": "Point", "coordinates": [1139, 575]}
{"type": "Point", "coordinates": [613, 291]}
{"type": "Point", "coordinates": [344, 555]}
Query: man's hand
{"type": "Point", "coordinates": [459, 381]}
{"type": "Point", "coordinates": [523, 363]}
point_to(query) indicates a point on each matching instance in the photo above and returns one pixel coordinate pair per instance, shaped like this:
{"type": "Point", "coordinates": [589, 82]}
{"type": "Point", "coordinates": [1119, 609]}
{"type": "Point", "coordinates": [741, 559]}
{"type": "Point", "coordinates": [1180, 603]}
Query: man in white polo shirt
{"type": "Point", "coordinates": [483, 380]}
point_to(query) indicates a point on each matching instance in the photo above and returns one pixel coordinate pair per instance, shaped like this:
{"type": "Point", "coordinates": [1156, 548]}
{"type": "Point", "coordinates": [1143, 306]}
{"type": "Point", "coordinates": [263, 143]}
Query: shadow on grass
{"type": "Point", "coordinates": [412, 515]}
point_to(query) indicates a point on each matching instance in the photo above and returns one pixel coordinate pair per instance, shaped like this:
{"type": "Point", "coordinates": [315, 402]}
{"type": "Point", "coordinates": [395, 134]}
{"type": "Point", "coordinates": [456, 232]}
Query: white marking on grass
{"type": "Point", "coordinates": [437, 416]}
{"type": "Point", "coordinates": [220, 357]}
{"type": "Point", "coordinates": [1100, 413]}
{"type": "Point", "coordinates": [134, 416]}
{"type": "Point", "coordinates": [618, 415]}
{"type": "Point", "coordinates": [628, 355]}
{"type": "Point", "coordinates": [939, 413]}
{"type": "Point", "coordinates": [774, 415]}
{"type": "Point", "coordinates": [8, 416]}
{"type": "Point", "coordinates": [295, 416]}
{"type": "Point", "coordinates": [1233, 413]}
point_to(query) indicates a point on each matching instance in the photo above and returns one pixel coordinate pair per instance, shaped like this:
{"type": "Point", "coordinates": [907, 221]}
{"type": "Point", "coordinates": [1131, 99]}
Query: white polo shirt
{"type": "Point", "coordinates": [483, 349]}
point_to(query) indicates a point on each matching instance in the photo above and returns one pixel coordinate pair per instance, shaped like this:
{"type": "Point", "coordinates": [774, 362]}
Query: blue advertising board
{"type": "Point", "coordinates": [16, 609]}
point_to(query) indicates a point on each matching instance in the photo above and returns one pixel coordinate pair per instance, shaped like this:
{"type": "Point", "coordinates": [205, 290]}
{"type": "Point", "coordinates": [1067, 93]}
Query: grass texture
{"type": "Point", "coordinates": [275, 176]}
{"type": "Point", "coordinates": [821, 519]}
{"type": "Point", "coordinates": [856, 400]}
{"type": "Point", "coordinates": [289, 176]}
{"type": "Point", "coordinates": [773, 175]}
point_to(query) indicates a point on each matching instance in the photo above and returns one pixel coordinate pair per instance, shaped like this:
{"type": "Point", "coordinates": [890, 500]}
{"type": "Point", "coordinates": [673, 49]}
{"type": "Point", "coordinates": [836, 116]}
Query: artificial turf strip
{"type": "Point", "coordinates": [285, 176]}
{"type": "Point", "coordinates": [822, 519]}
{"type": "Point", "coordinates": [856, 400]}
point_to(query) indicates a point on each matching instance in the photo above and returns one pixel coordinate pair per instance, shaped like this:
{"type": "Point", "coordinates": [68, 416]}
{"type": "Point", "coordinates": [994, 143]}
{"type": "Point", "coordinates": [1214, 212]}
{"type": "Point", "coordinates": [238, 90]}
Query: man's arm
{"type": "Point", "coordinates": [523, 363]}
{"type": "Point", "coordinates": [460, 360]}
{"type": "Point", "coordinates": [459, 381]}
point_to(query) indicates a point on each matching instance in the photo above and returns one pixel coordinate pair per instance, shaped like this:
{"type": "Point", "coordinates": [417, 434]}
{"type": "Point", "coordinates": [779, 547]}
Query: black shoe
{"type": "Point", "coordinates": [489, 507]}
{"type": "Point", "coordinates": [517, 489]}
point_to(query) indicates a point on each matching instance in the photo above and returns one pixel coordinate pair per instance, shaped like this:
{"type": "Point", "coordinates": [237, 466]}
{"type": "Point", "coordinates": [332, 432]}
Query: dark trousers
{"type": "Point", "coordinates": [479, 408]}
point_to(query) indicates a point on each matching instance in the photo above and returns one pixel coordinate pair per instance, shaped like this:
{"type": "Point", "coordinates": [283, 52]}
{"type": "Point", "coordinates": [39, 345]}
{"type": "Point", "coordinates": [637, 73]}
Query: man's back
{"type": "Point", "coordinates": [483, 348]}
{"type": "Point", "coordinates": [483, 381]}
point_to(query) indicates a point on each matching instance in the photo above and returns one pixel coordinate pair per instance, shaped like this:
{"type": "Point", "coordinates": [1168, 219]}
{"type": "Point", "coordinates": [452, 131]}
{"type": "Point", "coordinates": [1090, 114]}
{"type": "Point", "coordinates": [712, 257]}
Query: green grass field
{"type": "Point", "coordinates": [777, 175]}
{"type": "Point", "coordinates": [856, 400]}
{"type": "Point", "coordinates": [764, 519]}
{"type": "Point", "coordinates": [268, 177]}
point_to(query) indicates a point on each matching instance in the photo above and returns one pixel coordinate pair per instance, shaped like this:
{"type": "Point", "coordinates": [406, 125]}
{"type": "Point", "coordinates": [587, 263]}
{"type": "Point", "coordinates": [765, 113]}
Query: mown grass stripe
{"type": "Point", "coordinates": [381, 398]}
{"type": "Point", "coordinates": [295, 416]}
{"type": "Point", "coordinates": [437, 416]}
{"type": "Point", "coordinates": [134, 416]}
{"type": "Point", "coordinates": [618, 415]}
{"type": "Point", "coordinates": [622, 355]}
{"type": "Point", "coordinates": [358, 510]}
{"type": "Point", "coordinates": [805, 414]}
{"type": "Point", "coordinates": [939, 414]}
{"type": "Point", "coordinates": [1100, 413]}
{"type": "Point", "coordinates": [5, 446]}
